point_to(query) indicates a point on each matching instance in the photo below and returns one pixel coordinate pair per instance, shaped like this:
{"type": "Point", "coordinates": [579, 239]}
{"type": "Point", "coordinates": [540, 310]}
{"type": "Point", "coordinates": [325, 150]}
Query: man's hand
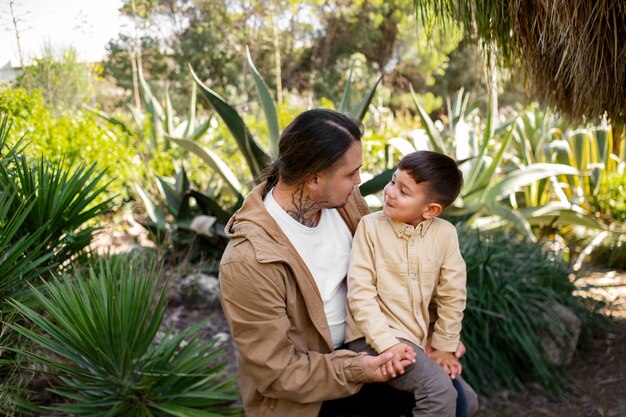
{"type": "Point", "coordinates": [401, 352]}
{"type": "Point", "coordinates": [448, 361]}
{"type": "Point", "coordinates": [375, 368]}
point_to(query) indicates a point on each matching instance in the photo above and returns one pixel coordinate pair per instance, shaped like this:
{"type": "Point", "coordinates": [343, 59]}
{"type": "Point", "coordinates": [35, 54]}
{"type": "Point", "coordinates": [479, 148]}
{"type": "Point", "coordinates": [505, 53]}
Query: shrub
{"type": "Point", "coordinates": [511, 285]}
{"type": "Point", "coordinates": [610, 201]}
{"type": "Point", "coordinates": [76, 136]}
{"type": "Point", "coordinates": [98, 333]}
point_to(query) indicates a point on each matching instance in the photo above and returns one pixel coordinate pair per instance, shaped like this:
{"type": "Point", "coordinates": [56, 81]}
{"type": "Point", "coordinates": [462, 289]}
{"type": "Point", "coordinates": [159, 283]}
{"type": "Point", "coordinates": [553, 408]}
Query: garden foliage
{"type": "Point", "coordinates": [98, 336]}
{"type": "Point", "coordinates": [513, 286]}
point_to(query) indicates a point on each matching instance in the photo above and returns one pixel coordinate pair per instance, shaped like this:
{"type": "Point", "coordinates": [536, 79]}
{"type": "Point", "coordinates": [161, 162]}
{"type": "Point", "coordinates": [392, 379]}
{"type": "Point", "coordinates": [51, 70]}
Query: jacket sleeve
{"type": "Point", "coordinates": [254, 302]}
{"type": "Point", "coordinates": [363, 293]}
{"type": "Point", "coordinates": [451, 297]}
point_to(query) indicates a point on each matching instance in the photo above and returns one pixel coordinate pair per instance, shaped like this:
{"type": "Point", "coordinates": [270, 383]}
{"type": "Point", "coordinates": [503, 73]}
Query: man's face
{"type": "Point", "coordinates": [338, 181]}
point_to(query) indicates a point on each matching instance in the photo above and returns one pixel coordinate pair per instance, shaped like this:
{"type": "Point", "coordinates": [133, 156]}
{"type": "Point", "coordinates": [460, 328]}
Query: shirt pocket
{"type": "Point", "coordinates": [429, 276]}
{"type": "Point", "coordinates": [391, 280]}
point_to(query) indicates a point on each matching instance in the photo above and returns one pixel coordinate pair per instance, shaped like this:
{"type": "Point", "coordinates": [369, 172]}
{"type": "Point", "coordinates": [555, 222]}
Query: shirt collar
{"type": "Point", "coordinates": [403, 229]}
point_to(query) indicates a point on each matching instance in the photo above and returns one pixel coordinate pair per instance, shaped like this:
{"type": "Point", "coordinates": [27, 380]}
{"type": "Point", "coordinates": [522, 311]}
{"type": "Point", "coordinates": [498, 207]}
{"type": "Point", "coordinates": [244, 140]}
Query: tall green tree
{"type": "Point", "coordinates": [304, 45]}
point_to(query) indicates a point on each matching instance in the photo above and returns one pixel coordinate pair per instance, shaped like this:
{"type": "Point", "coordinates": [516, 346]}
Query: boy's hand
{"type": "Point", "coordinates": [448, 361]}
{"type": "Point", "coordinates": [401, 353]}
{"type": "Point", "coordinates": [460, 349]}
{"type": "Point", "coordinates": [375, 369]}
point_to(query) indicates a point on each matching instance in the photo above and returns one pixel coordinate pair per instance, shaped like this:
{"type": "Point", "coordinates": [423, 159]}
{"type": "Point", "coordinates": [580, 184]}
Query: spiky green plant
{"type": "Point", "coordinates": [255, 155]}
{"type": "Point", "coordinates": [170, 216]}
{"type": "Point", "coordinates": [511, 285]}
{"type": "Point", "coordinates": [61, 200]}
{"type": "Point", "coordinates": [22, 258]}
{"type": "Point", "coordinates": [485, 200]}
{"type": "Point", "coordinates": [97, 334]}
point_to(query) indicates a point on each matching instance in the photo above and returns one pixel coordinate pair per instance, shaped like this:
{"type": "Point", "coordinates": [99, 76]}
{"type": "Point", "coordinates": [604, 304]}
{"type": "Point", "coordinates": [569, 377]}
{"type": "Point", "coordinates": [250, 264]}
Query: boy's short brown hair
{"type": "Point", "coordinates": [440, 172]}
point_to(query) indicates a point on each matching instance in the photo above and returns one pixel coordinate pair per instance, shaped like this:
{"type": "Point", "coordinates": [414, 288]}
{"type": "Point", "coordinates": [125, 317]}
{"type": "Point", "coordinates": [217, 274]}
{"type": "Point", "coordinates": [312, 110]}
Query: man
{"type": "Point", "coordinates": [282, 277]}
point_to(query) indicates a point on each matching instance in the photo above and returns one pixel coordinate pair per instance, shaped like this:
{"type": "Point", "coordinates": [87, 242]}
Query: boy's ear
{"type": "Point", "coordinates": [432, 210]}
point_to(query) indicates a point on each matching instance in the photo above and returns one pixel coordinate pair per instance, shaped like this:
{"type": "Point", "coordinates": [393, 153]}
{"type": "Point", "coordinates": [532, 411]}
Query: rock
{"type": "Point", "coordinates": [197, 291]}
{"type": "Point", "coordinates": [204, 225]}
{"type": "Point", "coordinates": [560, 343]}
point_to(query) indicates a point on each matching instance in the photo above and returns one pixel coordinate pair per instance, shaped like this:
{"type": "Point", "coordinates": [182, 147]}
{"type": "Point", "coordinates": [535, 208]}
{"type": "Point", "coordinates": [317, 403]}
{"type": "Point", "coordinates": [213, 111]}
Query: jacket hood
{"type": "Point", "coordinates": [253, 222]}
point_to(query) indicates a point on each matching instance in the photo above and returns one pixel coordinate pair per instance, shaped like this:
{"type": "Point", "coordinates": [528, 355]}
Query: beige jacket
{"type": "Point", "coordinates": [395, 269]}
{"type": "Point", "coordinates": [287, 365]}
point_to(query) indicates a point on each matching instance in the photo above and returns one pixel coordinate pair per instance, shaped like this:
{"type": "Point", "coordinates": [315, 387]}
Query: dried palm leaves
{"type": "Point", "coordinates": [573, 51]}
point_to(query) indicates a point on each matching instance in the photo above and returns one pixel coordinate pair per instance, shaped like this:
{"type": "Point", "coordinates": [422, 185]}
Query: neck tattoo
{"type": "Point", "coordinates": [305, 210]}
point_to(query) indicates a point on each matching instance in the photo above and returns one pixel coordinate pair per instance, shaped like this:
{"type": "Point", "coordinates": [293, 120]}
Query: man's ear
{"type": "Point", "coordinates": [311, 181]}
{"type": "Point", "coordinates": [432, 210]}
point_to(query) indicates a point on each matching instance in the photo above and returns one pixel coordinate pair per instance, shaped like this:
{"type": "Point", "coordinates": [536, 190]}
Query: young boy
{"type": "Point", "coordinates": [403, 257]}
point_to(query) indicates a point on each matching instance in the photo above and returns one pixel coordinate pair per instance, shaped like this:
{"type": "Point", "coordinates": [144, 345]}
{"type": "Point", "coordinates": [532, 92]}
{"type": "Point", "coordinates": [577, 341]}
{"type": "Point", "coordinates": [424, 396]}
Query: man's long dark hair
{"type": "Point", "coordinates": [312, 142]}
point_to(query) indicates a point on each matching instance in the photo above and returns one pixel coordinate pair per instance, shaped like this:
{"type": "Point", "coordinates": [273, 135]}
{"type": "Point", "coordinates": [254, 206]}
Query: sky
{"type": "Point", "coordinates": [87, 25]}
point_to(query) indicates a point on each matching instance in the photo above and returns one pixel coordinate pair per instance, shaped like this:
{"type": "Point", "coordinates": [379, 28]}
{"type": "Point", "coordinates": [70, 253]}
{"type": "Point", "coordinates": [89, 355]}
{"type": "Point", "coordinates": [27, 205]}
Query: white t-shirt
{"type": "Point", "coordinates": [325, 250]}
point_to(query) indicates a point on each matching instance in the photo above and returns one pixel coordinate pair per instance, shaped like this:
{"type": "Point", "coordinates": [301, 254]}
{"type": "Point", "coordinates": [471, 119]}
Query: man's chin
{"type": "Point", "coordinates": [338, 206]}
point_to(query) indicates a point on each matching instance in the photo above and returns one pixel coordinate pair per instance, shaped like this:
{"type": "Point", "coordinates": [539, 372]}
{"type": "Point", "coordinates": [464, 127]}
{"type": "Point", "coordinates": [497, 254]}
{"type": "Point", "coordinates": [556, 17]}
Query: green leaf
{"type": "Point", "coordinates": [154, 213]}
{"type": "Point", "coordinates": [361, 108]}
{"type": "Point", "coordinates": [402, 145]}
{"type": "Point", "coordinates": [433, 134]}
{"type": "Point", "coordinates": [565, 217]}
{"type": "Point", "coordinates": [486, 177]}
{"type": "Point", "coordinates": [527, 176]}
{"type": "Point", "coordinates": [191, 114]}
{"type": "Point", "coordinates": [178, 411]}
{"type": "Point", "coordinates": [108, 118]}
{"type": "Point", "coordinates": [377, 183]}
{"type": "Point", "coordinates": [154, 109]}
{"type": "Point", "coordinates": [214, 161]}
{"type": "Point", "coordinates": [345, 98]}
{"type": "Point", "coordinates": [269, 106]}
{"type": "Point", "coordinates": [95, 332]}
{"type": "Point", "coordinates": [255, 156]}
{"type": "Point", "coordinates": [578, 140]}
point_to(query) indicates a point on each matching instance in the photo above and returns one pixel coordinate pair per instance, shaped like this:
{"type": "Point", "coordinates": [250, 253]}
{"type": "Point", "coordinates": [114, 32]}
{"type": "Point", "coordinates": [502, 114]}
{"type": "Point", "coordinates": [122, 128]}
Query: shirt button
{"type": "Point", "coordinates": [412, 243]}
{"type": "Point", "coordinates": [412, 276]}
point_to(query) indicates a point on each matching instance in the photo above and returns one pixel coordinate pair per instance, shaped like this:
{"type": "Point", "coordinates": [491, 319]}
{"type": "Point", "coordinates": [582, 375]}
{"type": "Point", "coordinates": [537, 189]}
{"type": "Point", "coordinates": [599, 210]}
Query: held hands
{"type": "Point", "coordinates": [388, 364]}
{"type": "Point", "coordinates": [401, 352]}
{"type": "Point", "coordinates": [448, 361]}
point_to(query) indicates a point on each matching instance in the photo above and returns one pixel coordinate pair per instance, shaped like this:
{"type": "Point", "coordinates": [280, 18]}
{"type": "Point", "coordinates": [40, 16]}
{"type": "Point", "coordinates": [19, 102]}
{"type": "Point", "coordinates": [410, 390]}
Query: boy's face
{"type": "Point", "coordinates": [407, 201]}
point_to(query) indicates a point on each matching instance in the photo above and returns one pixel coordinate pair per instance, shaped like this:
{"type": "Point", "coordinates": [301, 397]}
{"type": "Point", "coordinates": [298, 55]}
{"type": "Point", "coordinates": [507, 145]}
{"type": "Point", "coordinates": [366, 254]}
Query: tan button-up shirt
{"type": "Point", "coordinates": [395, 271]}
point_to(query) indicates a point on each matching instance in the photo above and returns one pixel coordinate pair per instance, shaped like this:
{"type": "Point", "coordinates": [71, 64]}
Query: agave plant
{"type": "Point", "coordinates": [254, 153]}
{"type": "Point", "coordinates": [184, 218]}
{"type": "Point", "coordinates": [97, 334]}
{"type": "Point", "coordinates": [487, 200]}
{"type": "Point", "coordinates": [543, 137]}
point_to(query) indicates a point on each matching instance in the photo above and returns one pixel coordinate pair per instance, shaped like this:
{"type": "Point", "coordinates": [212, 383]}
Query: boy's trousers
{"type": "Point", "coordinates": [431, 386]}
